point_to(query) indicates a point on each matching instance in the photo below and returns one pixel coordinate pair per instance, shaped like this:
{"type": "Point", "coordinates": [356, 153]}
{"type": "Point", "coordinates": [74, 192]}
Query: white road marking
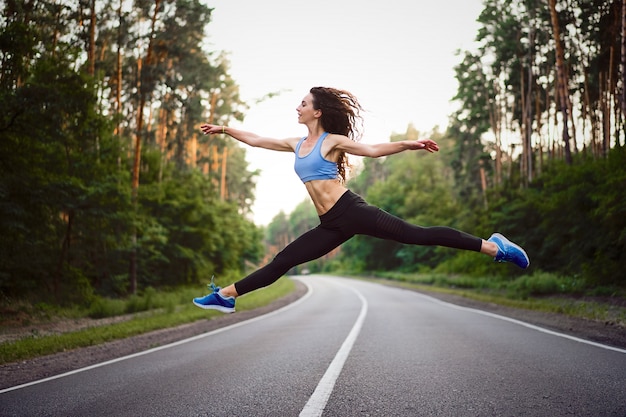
{"type": "Point", "coordinates": [317, 402]}
{"type": "Point", "coordinates": [522, 323]}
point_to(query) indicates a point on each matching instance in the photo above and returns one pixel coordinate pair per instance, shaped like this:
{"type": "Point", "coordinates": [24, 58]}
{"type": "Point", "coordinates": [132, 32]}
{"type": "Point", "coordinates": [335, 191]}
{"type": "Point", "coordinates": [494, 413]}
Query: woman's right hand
{"type": "Point", "coordinates": [209, 129]}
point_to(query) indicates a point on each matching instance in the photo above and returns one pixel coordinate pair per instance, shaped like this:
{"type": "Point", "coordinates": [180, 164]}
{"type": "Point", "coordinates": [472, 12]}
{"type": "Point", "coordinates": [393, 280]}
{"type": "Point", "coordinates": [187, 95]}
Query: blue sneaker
{"type": "Point", "coordinates": [215, 301]}
{"type": "Point", "coordinates": [509, 251]}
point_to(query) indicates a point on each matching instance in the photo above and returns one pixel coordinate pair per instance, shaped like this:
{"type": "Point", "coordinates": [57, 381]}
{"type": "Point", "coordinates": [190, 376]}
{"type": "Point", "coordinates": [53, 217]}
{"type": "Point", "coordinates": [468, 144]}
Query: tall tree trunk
{"type": "Point", "coordinates": [161, 136]}
{"type": "Point", "coordinates": [135, 181]}
{"type": "Point", "coordinates": [495, 120]}
{"type": "Point", "coordinates": [563, 95]}
{"type": "Point", "coordinates": [529, 98]}
{"type": "Point", "coordinates": [539, 127]}
{"type": "Point", "coordinates": [55, 34]}
{"type": "Point", "coordinates": [527, 125]}
{"type": "Point", "coordinates": [509, 128]}
{"type": "Point", "coordinates": [118, 73]}
{"type": "Point", "coordinates": [622, 130]}
{"type": "Point", "coordinates": [524, 127]}
{"type": "Point", "coordinates": [91, 53]}
{"type": "Point", "coordinates": [587, 112]}
{"type": "Point", "coordinates": [223, 188]}
{"type": "Point", "coordinates": [606, 144]}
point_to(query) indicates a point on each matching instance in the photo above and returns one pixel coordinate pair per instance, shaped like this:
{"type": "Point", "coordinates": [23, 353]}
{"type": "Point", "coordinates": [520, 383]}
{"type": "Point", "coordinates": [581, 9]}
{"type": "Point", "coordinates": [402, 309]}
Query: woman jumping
{"type": "Point", "coordinates": [330, 116]}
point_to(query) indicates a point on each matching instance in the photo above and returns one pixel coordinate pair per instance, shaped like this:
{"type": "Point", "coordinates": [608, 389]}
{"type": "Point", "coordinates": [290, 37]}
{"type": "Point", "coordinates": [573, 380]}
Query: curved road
{"type": "Point", "coordinates": [348, 348]}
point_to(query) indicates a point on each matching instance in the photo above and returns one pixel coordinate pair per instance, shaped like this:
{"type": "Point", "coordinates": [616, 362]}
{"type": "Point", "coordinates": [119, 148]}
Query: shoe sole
{"type": "Point", "coordinates": [214, 307]}
{"type": "Point", "coordinates": [504, 240]}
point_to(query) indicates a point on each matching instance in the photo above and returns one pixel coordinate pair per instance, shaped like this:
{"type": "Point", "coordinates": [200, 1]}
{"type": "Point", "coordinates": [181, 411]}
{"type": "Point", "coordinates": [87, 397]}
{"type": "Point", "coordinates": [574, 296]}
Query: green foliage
{"type": "Point", "coordinates": [186, 233]}
{"type": "Point", "coordinates": [470, 263]}
{"type": "Point", "coordinates": [55, 181]}
{"type": "Point", "coordinates": [149, 299]}
{"type": "Point", "coordinates": [101, 307]}
{"type": "Point", "coordinates": [523, 287]}
{"type": "Point", "coordinates": [443, 280]}
{"type": "Point", "coordinates": [542, 283]}
{"type": "Point", "coordinates": [67, 219]}
{"type": "Point", "coordinates": [573, 218]}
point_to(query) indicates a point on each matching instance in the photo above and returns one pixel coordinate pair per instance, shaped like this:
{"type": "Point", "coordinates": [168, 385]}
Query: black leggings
{"type": "Point", "coordinates": [351, 215]}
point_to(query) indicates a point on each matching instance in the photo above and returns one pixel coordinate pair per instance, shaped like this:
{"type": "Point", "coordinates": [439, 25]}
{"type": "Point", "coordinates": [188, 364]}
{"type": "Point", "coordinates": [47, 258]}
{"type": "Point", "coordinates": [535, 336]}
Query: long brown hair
{"type": "Point", "coordinates": [341, 114]}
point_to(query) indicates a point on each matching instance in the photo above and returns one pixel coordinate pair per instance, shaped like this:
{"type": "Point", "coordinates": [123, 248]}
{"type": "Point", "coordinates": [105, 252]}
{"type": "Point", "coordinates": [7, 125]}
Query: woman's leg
{"type": "Point", "coordinates": [372, 221]}
{"type": "Point", "coordinates": [312, 245]}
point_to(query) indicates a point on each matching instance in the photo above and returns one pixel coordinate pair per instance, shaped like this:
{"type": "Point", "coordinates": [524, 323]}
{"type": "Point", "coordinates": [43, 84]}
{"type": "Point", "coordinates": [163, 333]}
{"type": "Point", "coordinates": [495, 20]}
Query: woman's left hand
{"type": "Point", "coordinates": [426, 144]}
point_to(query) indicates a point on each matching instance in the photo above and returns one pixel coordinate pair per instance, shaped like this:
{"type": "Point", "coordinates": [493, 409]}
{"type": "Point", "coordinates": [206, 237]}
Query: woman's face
{"type": "Point", "coordinates": [306, 112]}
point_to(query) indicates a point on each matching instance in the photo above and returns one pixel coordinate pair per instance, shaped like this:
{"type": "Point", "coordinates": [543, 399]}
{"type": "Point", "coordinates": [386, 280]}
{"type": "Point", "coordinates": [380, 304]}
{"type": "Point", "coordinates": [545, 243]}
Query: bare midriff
{"type": "Point", "coordinates": [325, 193]}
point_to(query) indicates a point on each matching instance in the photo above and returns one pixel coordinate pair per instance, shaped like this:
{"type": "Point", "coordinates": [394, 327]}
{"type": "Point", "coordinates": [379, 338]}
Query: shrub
{"type": "Point", "coordinates": [105, 307]}
{"type": "Point", "coordinates": [542, 283]}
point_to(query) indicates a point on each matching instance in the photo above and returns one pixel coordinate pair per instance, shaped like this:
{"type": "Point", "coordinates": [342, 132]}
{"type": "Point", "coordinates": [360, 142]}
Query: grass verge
{"type": "Point", "coordinates": [542, 292]}
{"type": "Point", "coordinates": [174, 314]}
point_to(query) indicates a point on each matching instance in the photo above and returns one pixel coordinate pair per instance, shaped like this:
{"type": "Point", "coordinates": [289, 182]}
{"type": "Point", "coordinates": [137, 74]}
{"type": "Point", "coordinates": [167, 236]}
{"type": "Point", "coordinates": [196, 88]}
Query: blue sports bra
{"type": "Point", "coordinates": [314, 166]}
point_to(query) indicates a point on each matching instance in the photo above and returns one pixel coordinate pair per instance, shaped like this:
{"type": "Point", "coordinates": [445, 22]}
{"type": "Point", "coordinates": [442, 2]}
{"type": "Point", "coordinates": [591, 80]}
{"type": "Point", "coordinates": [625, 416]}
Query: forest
{"type": "Point", "coordinates": [107, 188]}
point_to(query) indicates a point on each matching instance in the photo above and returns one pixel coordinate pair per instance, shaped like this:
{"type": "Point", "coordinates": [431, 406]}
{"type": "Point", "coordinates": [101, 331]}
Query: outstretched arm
{"type": "Point", "coordinates": [383, 149]}
{"type": "Point", "coordinates": [252, 139]}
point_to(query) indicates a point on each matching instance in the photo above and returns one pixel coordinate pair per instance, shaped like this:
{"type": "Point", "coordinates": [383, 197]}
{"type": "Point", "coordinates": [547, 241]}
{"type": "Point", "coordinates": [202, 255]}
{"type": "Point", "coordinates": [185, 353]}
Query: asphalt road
{"type": "Point", "coordinates": [348, 348]}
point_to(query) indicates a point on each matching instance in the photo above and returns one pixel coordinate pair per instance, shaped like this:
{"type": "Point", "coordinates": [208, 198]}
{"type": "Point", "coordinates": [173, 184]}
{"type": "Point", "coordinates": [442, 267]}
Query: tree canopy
{"type": "Point", "coordinates": [105, 185]}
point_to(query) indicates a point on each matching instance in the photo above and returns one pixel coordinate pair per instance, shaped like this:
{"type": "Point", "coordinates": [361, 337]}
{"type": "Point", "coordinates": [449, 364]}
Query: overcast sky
{"type": "Point", "coordinates": [396, 56]}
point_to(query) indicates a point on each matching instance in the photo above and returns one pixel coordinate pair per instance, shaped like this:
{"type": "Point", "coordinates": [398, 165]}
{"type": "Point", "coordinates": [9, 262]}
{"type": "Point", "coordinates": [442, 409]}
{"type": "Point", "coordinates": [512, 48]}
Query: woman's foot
{"type": "Point", "coordinates": [216, 300]}
{"type": "Point", "coordinates": [509, 251]}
